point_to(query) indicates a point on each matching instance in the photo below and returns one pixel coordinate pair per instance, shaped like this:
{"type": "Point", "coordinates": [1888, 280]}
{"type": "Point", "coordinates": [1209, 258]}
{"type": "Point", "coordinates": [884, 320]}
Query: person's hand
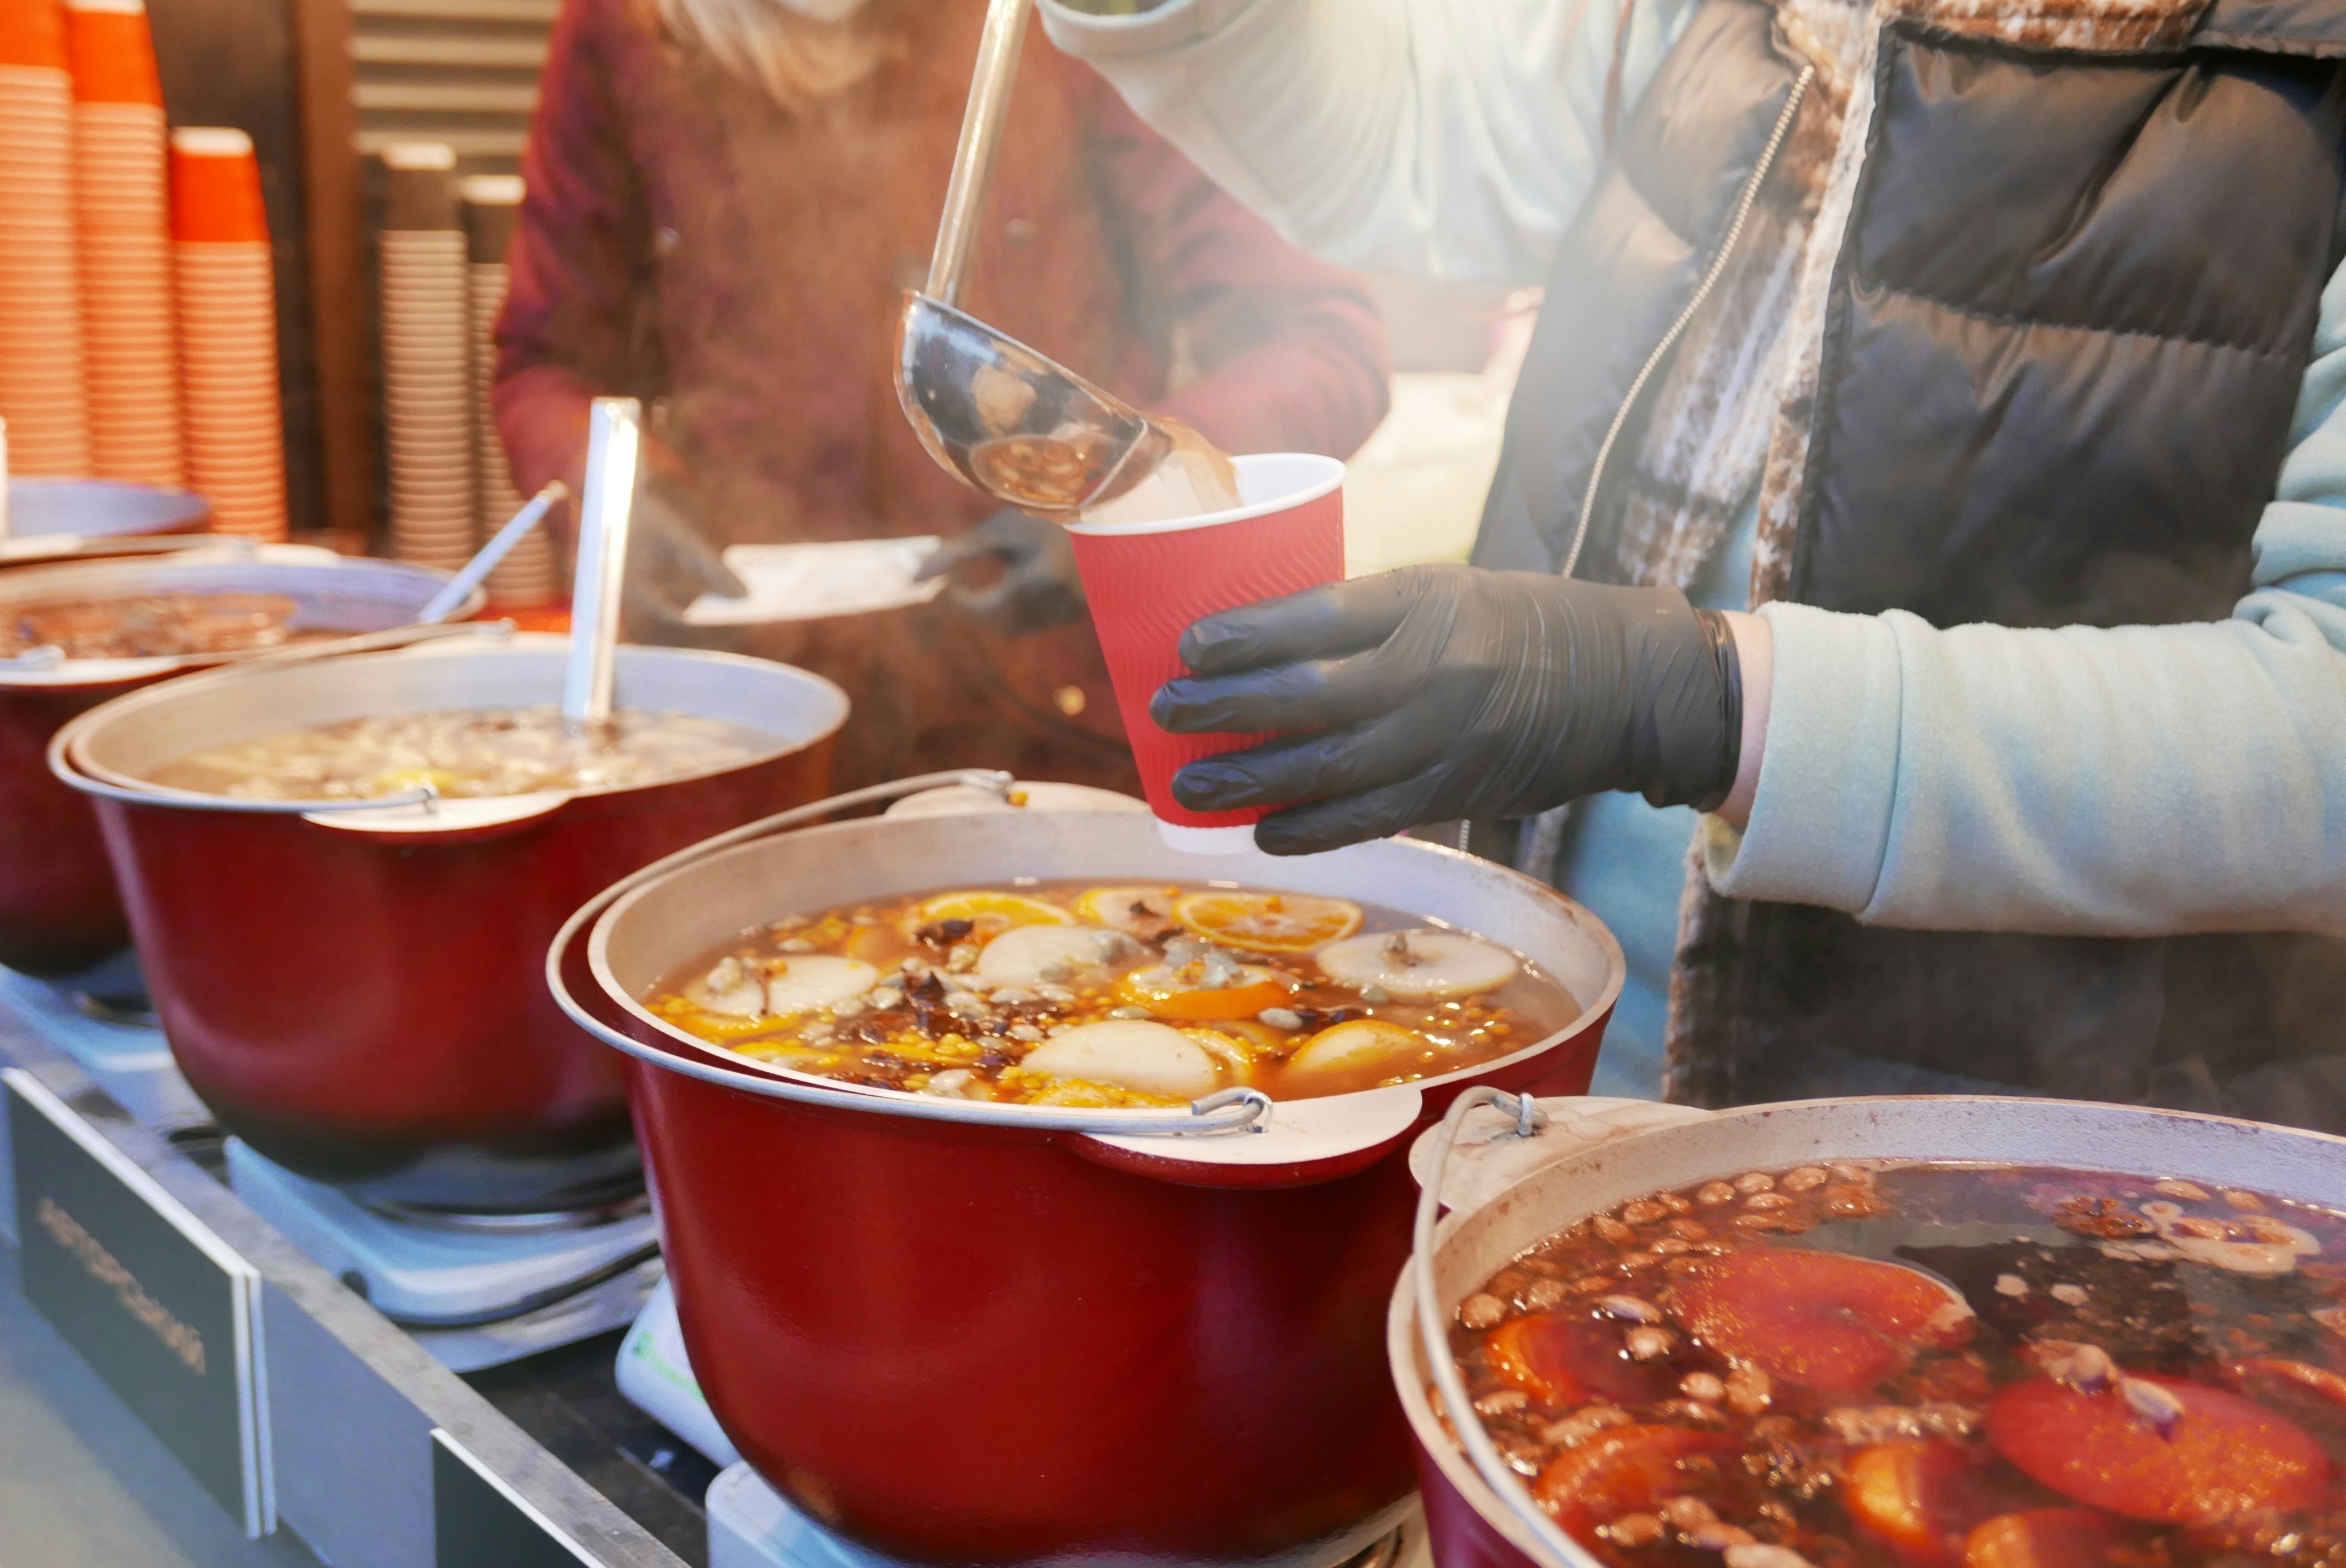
{"type": "Point", "coordinates": [670, 563]}
{"type": "Point", "coordinates": [1437, 692]}
{"type": "Point", "coordinates": [1038, 589]}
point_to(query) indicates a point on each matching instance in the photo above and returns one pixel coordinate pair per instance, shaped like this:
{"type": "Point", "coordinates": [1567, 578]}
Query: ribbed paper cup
{"type": "Point", "coordinates": [427, 390]}
{"type": "Point", "coordinates": [121, 211]}
{"type": "Point", "coordinates": [228, 331]}
{"type": "Point", "coordinates": [1147, 582]}
{"type": "Point", "coordinates": [43, 394]}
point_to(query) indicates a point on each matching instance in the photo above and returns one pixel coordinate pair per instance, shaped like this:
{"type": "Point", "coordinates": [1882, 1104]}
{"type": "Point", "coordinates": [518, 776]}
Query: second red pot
{"type": "Point", "coordinates": [359, 995]}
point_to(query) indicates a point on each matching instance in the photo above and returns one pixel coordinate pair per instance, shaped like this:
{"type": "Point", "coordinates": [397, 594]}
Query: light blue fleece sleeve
{"type": "Point", "coordinates": [1449, 139]}
{"type": "Point", "coordinates": [2136, 780]}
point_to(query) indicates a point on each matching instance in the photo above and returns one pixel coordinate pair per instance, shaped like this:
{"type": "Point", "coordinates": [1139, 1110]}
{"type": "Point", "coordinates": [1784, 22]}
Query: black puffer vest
{"type": "Point", "coordinates": [2059, 270]}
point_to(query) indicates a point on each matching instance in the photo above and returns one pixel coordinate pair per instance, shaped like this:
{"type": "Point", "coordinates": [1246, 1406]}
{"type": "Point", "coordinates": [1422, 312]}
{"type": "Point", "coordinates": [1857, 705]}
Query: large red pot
{"type": "Point", "coordinates": [59, 911]}
{"type": "Point", "coordinates": [1506, 1193]}
{"type": "Point", "coordinates": [976, 1333]}
{"type": "Point", "coordinates": [356, 993]}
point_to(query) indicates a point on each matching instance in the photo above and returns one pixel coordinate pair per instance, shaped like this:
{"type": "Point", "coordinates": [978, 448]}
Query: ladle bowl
{"type": "Point", "coordinates": [1016, 424]}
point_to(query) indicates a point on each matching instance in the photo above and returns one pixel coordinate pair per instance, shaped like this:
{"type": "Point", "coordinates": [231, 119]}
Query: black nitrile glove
{"type": "Point", "coordinates": [670, 563]}
{"type": "Point", "coordinates": [1038, 588]}
{"type": "Point", "coordinates": [1439, 692]}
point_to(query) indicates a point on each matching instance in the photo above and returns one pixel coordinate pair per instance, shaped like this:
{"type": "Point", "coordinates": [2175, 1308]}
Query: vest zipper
{"type": "Point", "coordinates": [1541, 837]}
{"type": "Point", "coordinates": [1678, 328]}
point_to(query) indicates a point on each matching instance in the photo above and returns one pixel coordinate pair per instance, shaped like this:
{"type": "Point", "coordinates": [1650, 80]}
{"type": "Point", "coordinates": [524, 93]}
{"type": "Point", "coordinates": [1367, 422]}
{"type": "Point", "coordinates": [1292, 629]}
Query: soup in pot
{"type": "Point", "coordinates": [1927, 1366]}
{"type": "Point", "coordinates": [1078, 993]}
{"type": "Point", "coordinates": [468, 752]}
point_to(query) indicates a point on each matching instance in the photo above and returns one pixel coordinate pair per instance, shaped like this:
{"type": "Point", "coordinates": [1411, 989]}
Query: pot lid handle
{"type": "Point", "coordinates": [435, 813]}
{"type": "Point", "coordinates": [1494, 1149]}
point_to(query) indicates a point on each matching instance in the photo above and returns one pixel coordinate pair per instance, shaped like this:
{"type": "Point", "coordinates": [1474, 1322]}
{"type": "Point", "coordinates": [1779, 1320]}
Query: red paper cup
{"type": "Point", "coordinates": [1148, 581]}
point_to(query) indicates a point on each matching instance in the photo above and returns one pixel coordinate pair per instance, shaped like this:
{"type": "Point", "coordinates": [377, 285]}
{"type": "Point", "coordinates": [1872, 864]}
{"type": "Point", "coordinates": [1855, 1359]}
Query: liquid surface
{"type": "Point", "coordinates": [1195, 478]}
{"type": "Point", "coordinates": [1082, 993]}
{"type": "Point", "coordinates": [463, 753]}
{"type": "Point", "coordinates": [1927, 1366]}
{"type": "Point", "coordinates": [1187, 477]}
{"type": "Point", "coordinates": [155, 626]}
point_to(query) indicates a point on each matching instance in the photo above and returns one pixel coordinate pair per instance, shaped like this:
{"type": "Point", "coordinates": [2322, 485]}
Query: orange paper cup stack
{"type": "Point", "coordinates": [427, 380]}
{"type": "Point", "coordinates": [121, 205]}
{"type": "Point", "coordinates": [41, 389]}
{"type": "Point", "coordinates": [228, 332]}
{"type": "Point", "coordinates": [525, 578]}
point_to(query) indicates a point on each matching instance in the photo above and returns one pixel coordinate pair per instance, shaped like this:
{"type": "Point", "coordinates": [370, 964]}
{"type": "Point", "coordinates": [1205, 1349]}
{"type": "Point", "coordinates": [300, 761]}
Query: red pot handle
{"type": "Point", "coordinates": [1304, 1143]}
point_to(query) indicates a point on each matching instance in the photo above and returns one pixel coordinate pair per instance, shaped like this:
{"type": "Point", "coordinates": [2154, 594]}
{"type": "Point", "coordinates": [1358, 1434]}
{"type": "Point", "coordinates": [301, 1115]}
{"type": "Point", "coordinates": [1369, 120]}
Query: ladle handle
{"type": "Point", "coordinates": [451, 599]}
{"type": "Point", "coordinates": [614, 444]}
{"type": "Point", "coordinates": [981, 138]}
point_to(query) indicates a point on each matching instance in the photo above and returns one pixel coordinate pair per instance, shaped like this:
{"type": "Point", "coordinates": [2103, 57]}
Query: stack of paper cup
{"type": "Point", "coordinates": [228, 332]}
{"type": "Point", "coordinates": [427, 391]}
{"type": "Point", "coordinates": [525, 578]}
{"type": "Point", "coordinates": [42, 396]}
{"type": "Point", "coordinates": [120, 203]}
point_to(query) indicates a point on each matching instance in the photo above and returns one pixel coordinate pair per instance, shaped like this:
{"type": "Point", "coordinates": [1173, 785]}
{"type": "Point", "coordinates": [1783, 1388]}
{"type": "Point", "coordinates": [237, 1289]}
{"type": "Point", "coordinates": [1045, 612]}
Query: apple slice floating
{"type": "Point", "coordinates": [1030, 955]}
{"type": "Point", "coordinates": [795, 985]}
{"type": "Point", "coordinates": [2226, 1455]}
{"type": "Point", "coordinates": [780, 988]}
{"type": "Point", "coordinates": [1131, 1053]}
{"type": "Point", "coordinates": [1350, 1047]}
{"type": "Point", "coordinates": [1419, 966]}
{"type": "Point", "coordinates": [1836, 1325]}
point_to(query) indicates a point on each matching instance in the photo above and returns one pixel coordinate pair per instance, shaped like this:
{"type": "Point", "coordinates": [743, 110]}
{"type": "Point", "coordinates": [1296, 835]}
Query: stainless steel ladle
{"type": "Point", "coordinates": [1018, 426]}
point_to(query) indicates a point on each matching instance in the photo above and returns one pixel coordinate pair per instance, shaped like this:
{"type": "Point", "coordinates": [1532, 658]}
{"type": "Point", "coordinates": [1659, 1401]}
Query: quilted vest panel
{"type": "Point", "coordinates": [2056, 266]}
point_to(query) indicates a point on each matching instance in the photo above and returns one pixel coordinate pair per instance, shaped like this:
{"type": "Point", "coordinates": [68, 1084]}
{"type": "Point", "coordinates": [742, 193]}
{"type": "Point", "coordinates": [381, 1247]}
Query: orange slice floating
{"type": "Point", "coordinates": [1925, 1499]}
{"type": "Point", "coordinates": [2227, 1455]}
{"type": "Point", "coordinates": [1267, 922]}
{"type": "Point", "coordinates": [1835, 1324]}
{"type": "Point", "coordinates": [1162, 990]}
{"type": "Point", "coordinates": [2043, 1538]}
{"type": "Point", "coordinates": [1007, 909]}
{"type": "Point", "coordinates": [1627, 1470]}
{"type": "Point", "coordinates": [1562, 1360]}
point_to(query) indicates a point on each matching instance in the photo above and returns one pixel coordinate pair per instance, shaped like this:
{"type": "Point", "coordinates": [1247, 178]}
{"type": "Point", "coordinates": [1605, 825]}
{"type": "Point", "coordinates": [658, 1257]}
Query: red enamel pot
{"type": "Point", "coordinates": [356, 992]}
{"type": "Point", "coordinates": [1505, 1191]}
{"type": "Point", "coordinates": [973, 1333]}
{"type": "Point", "coordinates": [59, 911]}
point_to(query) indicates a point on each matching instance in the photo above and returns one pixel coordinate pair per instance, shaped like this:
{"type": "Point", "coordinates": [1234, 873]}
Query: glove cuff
{"type": "Point", "coordinates": [1718, 633]}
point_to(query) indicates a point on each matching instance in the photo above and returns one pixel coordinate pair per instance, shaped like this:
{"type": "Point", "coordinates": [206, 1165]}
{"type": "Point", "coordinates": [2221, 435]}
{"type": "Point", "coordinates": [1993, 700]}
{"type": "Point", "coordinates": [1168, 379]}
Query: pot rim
{"type": "Point", "coordinates": [1344, 1121]}
{"type": "Point", "coordinates": [71, 761]}
{"type": "Point", "coordinates": [1405, 1347]}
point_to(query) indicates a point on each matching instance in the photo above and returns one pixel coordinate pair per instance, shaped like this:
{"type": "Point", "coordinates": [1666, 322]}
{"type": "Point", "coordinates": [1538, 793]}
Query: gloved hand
{"type": "Point", "coordinates": [1437, 692]}
{"type": "Point", "coordinates": [1039, 587]}
{"type": "Point", "coordinates": [670, 563]}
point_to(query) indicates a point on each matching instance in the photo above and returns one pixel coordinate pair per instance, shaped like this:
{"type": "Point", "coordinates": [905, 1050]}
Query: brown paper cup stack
{"type": "Point", "coordinates": [42, 396]}
{"type": "Point", "coordinates": [427, 393]}
{"type": "Point", "coordinates": [228, 332]}
{"type": "Point", "coordinates": [129, 340]}
{"type": "Point", "coordinates": [525, 578]}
